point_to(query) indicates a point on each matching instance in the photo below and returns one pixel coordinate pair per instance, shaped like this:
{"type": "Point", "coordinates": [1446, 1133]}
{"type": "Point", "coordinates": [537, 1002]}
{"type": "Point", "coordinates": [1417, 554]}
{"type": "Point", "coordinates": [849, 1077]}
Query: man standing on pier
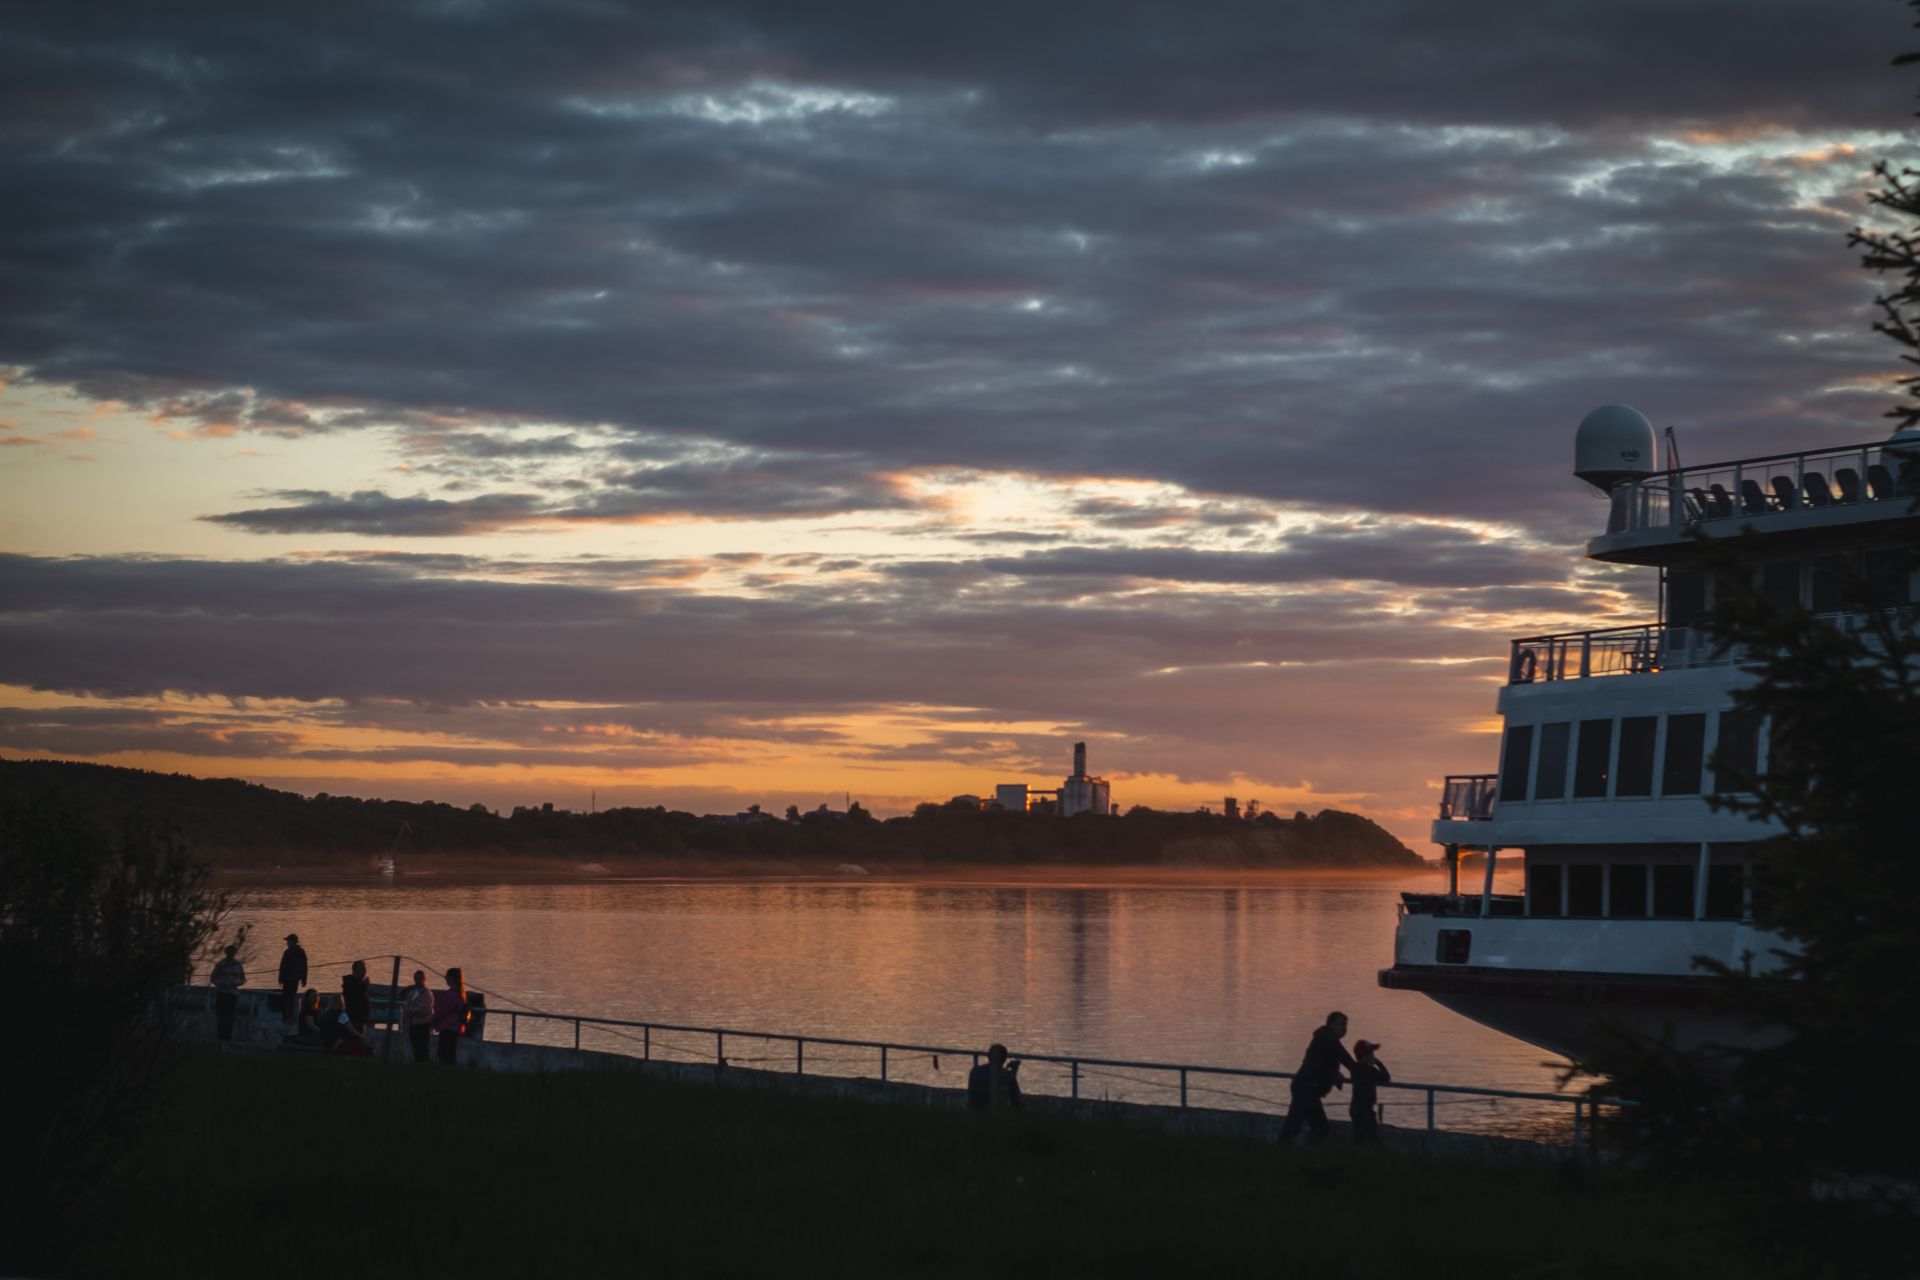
{"type": "Point", "coordinates": [293, 975]}
{"type": "Point", "coordinates": [1319, 1075]}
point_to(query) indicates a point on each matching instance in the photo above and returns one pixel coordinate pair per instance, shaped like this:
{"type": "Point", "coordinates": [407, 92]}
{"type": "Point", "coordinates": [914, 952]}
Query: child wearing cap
{"type": "Point", "coordinates": [1368, 1073]}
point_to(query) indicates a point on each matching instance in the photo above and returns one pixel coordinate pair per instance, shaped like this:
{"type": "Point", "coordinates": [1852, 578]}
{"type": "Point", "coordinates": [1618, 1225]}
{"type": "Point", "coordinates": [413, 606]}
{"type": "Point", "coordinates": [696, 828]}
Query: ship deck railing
{"type": "Point", "coordinates": [1652, 647]}
{"type": "Point", "coordinates": [1810, 480]}
{"type": "Point", "coordinates": [1564, 1119]}
{"type": "Point", "coordinates": [1611, 651]}
{"type": "Point", "coordinates": [1468, 797]}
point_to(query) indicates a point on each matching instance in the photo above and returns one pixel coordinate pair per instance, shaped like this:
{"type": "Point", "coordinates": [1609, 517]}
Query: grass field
{"type": "Point", "coordinates": [282, 1165]}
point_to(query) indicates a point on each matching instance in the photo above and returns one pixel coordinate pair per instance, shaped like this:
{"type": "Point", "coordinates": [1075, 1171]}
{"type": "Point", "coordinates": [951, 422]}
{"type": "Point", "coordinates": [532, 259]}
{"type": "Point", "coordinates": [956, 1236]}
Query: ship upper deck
{"type": "Point", "coordinates": [1830, 491]}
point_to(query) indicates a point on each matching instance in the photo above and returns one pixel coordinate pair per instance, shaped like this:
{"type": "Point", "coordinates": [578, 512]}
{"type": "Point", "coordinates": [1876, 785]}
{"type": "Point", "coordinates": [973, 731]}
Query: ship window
{"type": "Point", "coordinates": [1455, 946]}
{"type": "Point", "coordinates": [1780, 584]}
{"type": "Point", "coordinates": [1686, 596]}
{"type": "Point", "coordinates": [1831, 575]}
{"type": "Point", "coordinates": [1736, 758]}
{"type": "Point", "coordinates": [1636, 756]}
{"type": "Point", "coordinates": [1591, 764]}
{"type": "Point", "coordinates": [1673, 893]}
{"type": "Point", "coordinates": [1686, 743]}
{"type": "Point", "coordinates": [1552, 782]}
{"type": "Point", "coordinates": [1583, 891]}
{"type": "Point", "coordinates": [1513, 764]}
{"type": "Point", "coordinates": [1543, 890]}
{"type": "Point", "coordinates": [1627, 890]}
{"type": "Point", "coordinates": [1887, 574]}
{"type": "Point", "coordinates": [1726, 891]}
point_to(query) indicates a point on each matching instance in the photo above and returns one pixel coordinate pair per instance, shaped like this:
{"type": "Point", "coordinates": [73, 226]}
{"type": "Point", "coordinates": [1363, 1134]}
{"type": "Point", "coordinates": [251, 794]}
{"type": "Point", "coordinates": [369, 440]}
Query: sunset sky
{"type": "Point", "coordinates": [723, 403]}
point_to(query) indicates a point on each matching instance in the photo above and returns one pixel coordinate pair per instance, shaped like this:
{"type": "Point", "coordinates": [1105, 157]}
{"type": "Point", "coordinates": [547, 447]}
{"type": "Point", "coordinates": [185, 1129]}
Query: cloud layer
{"type": "Point", "coordinates": [1200, 382]}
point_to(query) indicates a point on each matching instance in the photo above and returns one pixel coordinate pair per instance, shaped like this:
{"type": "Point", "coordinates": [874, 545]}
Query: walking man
{"type": "Point", "coordinates": [1363, 1108]}
{"type": "Point", "coordinates": [1319, 1075]}
{"type": "Point", "coordinates": [416, 1014]}
{"type": "Point", "coordinates": [229, 975]}
{"type": "Point", "coordinates": [293, 976]}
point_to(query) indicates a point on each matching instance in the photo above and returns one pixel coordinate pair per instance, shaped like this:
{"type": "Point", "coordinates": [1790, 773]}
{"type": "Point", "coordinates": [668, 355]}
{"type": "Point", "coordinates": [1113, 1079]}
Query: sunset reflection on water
{"type": "Point", "coordinates": [1228, 971]}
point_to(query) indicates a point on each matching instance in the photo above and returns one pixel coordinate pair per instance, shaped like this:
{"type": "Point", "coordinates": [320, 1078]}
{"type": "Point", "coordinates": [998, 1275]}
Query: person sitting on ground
{"type": "Point", "coordinates": [307, 1035]}
{"type": "Point", "coordinates": [994, 1084]}
{"type": "Point", "coordinates": [328, 1021]}
{"type": "Point", "coordinates": [309, 1012]}
{"type": "Point", "coordinates": [341, 1036]}
{"type": "Point", "coordinates": [1369, 1073]}
{"type": "Point", "coordinates": [356, 998]}
{"type": "Point", "coordinates": [1319, 1075]}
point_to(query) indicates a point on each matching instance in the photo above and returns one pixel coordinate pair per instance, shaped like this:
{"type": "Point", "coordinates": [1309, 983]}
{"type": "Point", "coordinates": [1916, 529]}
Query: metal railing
{"type": "Point", "coordinates": [881, 1059]}
{"type": "Point", "coordinates": [1848, 476]}
{"type": "Point", "coordinates": [1468, 797]}
{"type": "Point", "coordinates": [1610, 651]}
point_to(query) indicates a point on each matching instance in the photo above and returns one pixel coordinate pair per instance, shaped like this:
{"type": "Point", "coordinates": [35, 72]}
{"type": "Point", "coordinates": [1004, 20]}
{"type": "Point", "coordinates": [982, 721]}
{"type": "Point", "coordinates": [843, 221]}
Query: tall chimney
{"type": "Point", "coordinates": [1079, 759]}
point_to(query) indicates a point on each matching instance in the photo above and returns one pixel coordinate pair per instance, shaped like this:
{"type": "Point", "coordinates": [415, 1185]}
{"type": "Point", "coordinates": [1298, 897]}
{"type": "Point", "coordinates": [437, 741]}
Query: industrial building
{"type": "Point", "coordinates": [1078, 793]}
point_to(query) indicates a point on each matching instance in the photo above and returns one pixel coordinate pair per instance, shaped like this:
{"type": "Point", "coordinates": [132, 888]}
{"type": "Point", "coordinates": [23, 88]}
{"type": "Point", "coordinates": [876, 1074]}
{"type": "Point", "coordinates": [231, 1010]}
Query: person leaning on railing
{"type": "Point", "coordinates": [994, 1085]}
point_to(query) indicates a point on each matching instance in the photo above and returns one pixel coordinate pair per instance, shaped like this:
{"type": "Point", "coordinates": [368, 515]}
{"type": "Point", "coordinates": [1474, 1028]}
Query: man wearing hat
{"type": "Point", "coordinates": [293, 975]}
{"type": "Point", "coordinates": [1363, 1106]}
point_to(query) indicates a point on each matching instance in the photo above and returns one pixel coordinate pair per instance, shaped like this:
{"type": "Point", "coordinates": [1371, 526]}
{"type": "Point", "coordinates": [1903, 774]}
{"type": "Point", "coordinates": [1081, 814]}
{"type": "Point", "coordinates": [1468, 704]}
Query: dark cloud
{"type": "Point", "coordinates": [1376, 255]}
{"type": "Point", "coordinates": [375, 514]}
{"type": "Point", "coordinates": [1407, 554]}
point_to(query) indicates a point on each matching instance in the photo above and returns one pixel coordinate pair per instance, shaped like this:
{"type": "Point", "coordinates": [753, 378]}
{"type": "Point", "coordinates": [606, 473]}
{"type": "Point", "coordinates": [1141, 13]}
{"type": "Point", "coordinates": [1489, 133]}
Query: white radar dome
{"type": "Point", "coordinates": [1614, 443]}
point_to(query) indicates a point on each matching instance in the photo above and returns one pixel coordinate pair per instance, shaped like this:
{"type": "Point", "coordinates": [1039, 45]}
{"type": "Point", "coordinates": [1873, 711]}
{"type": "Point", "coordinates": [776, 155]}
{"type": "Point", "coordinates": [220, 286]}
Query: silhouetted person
{"type": "Point", "coordinates": [416, 1015]}
{"type": "Point", "coordinates": [1363, 1106]}
{"type": "Point", "coordinates": [328, 1020]}
{"type": "Point", "coordinates": [229, 975]}
{"type": "Point", "coordinates": [995, 1083]}
{"type": "Point", "coordinates": [337, 1032]}
{"type": "Point", "coordinates": [1319, 1075]}
{"type": "Point", "coordinates": [354, 997]}
{"type": "Point", "coordinates": [450, 1015]}
{"type": "Point", "coordinates": [307, 1033]}
{"type": "Point", "coordinates": [293, 976]}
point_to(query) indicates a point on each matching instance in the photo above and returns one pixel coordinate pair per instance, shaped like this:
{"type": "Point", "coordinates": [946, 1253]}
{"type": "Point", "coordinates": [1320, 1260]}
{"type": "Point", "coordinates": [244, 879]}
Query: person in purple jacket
{"type": "Point", "coordinates": [450, 1015]}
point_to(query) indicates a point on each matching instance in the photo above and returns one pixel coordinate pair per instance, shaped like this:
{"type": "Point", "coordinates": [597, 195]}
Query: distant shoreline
{"type": "Point", "coordinates": [237, 825]}
{"type": "Point", "coordinates": [537, 871]}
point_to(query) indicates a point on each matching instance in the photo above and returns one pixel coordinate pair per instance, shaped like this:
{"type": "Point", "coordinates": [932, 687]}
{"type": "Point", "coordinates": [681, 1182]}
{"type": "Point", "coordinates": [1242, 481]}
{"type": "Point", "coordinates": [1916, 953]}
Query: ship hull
{"type": "Point", "coordinates": [1586, 1017]}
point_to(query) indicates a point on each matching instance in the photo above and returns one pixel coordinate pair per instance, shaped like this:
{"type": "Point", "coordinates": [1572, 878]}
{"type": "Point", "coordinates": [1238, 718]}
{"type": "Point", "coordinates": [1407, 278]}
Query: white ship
{"type": "Point", "coordinates": [1608, 746]}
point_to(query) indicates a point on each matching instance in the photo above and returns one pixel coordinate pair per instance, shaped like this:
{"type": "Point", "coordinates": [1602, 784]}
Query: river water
{"type": "Point", "coordinates": [1228, 971]}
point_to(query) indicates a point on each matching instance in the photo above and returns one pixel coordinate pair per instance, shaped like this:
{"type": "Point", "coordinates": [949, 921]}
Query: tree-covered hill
{"type": "Point", "coordinates": [242, 824]}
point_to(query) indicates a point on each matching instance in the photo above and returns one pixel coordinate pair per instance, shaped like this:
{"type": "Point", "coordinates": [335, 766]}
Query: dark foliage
{"type": "Point", "coordinates": [93, 931]}
{"type": "Point", "coordinates": [1896, 250]}
{"type": "Point", "coordinates": [240, 824]}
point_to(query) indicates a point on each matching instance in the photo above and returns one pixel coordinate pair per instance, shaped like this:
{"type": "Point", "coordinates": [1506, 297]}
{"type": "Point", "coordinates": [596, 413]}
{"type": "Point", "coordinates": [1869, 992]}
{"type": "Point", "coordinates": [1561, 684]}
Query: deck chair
{"type": "Point", "coordinates": [1752, 501]}
{"type": "Point", "coordinates": [1785, 496]}
{"type": "Point", "coordinates": [1849, 481]}
{"type": "Point", "coordinates": [1719, 501]}
{"type": "Point", "coordinates": [1882, 481]}
{"type": "Point", "coordinates": [1696, 505]}
{"type": "Point", "coordinates": [1814, 485]}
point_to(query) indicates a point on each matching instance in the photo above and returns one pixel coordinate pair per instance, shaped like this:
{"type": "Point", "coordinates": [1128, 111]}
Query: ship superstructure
{"type": "Point", "coordinates": [1608, 749]}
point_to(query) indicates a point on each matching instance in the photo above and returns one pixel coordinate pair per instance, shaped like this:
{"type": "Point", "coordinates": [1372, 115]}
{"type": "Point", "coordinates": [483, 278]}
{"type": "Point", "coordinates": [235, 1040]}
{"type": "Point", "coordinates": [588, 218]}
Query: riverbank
{"type": "Point", "coordinates": [297, 1165]}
